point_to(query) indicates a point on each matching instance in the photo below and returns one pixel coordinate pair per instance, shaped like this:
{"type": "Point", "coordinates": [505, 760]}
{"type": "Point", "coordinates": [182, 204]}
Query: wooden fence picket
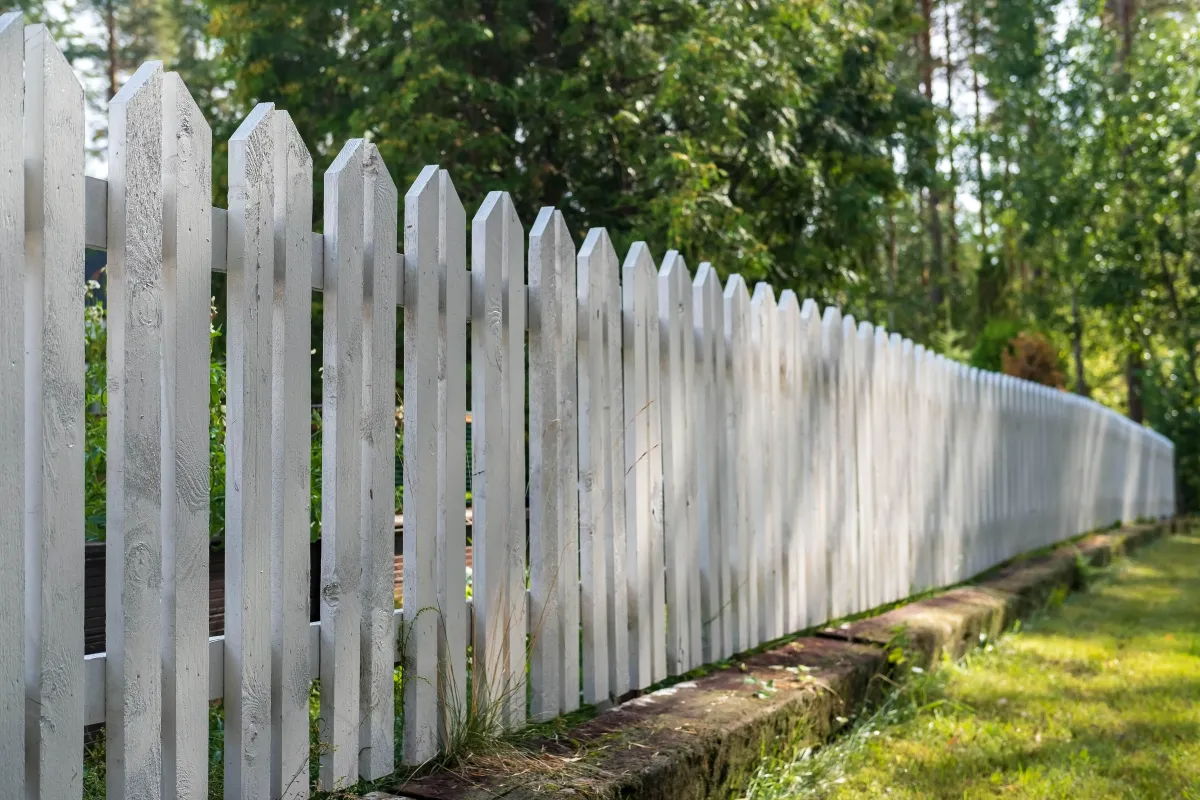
{"type": "Point", "coordinates": [709, 400]}
{"type": "Point", "coordinates": [251, 256]}
{"type": "Point", "coordinates": [553, 547]}
{"type": "Point", "coordinates": [676, 340]}
{"type": "Point", "coordinates": [616, 549]}
{"type": "Point", "coordinates": [865, 380]}
{"type": "Point", "coordinates": [787, 467]}
{"type": "Point", "coordinates": [832, 483]}
{"type": "Point", "coordinates": [418, 633]}
{"type": "Point", "coordinates": [497, 256]}
{"type": "Point", "coordinates": [451, 541]}
{"type": "Point", "coordinates": [741, 554]}
{"type": "Point", "coordinates": [12, 404]}
{"type": "Point", "coordinates": [342, 477]}
{"type": "Point", "coordinates": [812, 465]}
{"type": "Point", "coordinates": [597, 261]}
{"type": "Point", "coordinates": [377, 528]}
{"type": "Point", "coordinates": [187, 256]}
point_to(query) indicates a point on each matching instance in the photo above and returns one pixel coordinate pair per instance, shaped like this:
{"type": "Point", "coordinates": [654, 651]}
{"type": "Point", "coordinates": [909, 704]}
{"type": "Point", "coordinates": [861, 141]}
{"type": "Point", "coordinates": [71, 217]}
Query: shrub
{"type": "Point", "coordinates": [1031, 356]}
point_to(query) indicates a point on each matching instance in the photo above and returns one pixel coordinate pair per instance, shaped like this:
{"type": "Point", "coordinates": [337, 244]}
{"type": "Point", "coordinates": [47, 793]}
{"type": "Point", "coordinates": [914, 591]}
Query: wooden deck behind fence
{"type": "Point", "coordinates": [708, 465]}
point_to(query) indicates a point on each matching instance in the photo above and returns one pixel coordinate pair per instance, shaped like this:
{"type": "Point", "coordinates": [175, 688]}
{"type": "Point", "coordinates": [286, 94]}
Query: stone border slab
{"type": "Point", "coordinates": [704, 738]}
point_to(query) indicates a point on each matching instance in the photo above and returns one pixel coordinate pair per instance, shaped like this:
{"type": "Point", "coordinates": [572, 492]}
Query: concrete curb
{"type": "Point", "coordinates": [703, 738]}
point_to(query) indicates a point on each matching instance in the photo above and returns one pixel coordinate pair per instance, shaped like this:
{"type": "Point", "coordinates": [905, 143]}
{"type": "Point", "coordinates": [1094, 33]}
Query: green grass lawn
{"type": "Point", "coordinates": [1099, 697]}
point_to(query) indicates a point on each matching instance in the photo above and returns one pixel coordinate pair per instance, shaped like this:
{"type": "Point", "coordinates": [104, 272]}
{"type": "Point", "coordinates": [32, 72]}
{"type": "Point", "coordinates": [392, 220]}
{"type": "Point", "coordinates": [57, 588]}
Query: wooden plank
{"type": "Point", "coordinates": [248, 458]}
{"type": "Point", "coordinates": [649, 308]}
{"type": "Point", "coordinates": [376, 742]}
{"type": "Point", "coordinates": [901, 350]}
{"type": "Point", "coordinates": [712, 549]}
{"type": "Point", "coordinates": [342, 430]}
{"type": "Point", "coordinates": [54, 396]}
{"type": "Point", "coordinates": [569, 493]}
{"type": "Point", "coordinates": [763, 471]}
{"type": "Point", "coordinates": [595, 258]}
{"type": "Point", "coordinates": [187, 254]}
{"type": "Point", "coordinates": [736, 516]}
{"type": "Point", "coordinates": [640, 320]}
{"type": "Point", "coordinates": [675, 338]}
{"type": "Point", "coordinates": [789, 490]}
{"type": "Point", "coordinates": [833, 484]}
{"type": "Point", "coordinates": [423, 204]}
{"type": "Point", "coordinates": [813, 467]}
{"type": "Point", "coordinates": [491, 430]}
{"type": "Point", "coordinates": [450, 545]}
{"type": "Point", "coordinates": [12, 405]}
{"type": "Point", "coordinates": [865, 565]}
{"type": "Point", "coordinates": [616, 546]}
{"type": "Point", "coordinates": [551, 252]}
{"type": "Point", "coordinates": [517, 539]}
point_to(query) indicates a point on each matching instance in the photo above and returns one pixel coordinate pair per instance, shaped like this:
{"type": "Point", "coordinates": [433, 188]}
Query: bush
{"type": "Point", "coordinates": [1032, 357]}
{"type": "Point", "coordinates": [994, 341]}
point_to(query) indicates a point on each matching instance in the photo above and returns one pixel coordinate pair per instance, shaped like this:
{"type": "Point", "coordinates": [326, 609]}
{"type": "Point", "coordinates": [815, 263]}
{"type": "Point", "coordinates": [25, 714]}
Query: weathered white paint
{"type": "Point", "coordinates": [649, 307]}
{"type": "Point", "coordinates": [496, 254]}
{"type": "Point", "coordinates": [676, 357]}
{"type": "Point", "coordinates": [616, 545]}
{"type": "Point", "coordinates": [742, 557]}
{"type": "Point", "coordinates": [377, 528]}
{"type": "Point", "coordinates": [813, 466]}
{"type": "Point", "coordinates": [290, 435]}
{"type": "Point", "coordinates": [248, 458]}
{"type": "Point", "coordinates": [53, 144]}
{"type": "Point", "coordinates": [450, 559]}
{"type": "Point", "coordinates": [763, 470]}
{"type": "Point", "coordinates": [712, 549]}
{"type": "Point", "coordinates": [597, 263]}
{"type": "Point", "coordinates": [187, 254]}
{"type": "Point", "coordinates": [12, 406]}
{"type": "Point", "coordinates": [342, 431]}
{"type": "Point", "coordinates": [422, 204]}
{"type": "Point", "coordinates": [514, 406]}
{"type": "Point", "coordinates": [789, 483]}
{"type": "Point", "coordinates": [133, 750]}
{"type": "Point", "coordinates": [551, 254]}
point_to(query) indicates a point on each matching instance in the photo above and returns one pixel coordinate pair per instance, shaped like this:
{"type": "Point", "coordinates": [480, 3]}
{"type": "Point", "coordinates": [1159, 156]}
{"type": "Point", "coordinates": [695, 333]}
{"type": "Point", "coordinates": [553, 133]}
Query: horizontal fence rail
{"type": "Point", "coordinates": [665, 468]}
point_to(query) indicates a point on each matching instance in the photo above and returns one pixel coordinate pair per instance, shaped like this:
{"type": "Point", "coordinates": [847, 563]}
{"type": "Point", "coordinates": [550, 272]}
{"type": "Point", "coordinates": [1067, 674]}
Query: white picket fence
{"type": "Point", "coordinates": [707, 468]}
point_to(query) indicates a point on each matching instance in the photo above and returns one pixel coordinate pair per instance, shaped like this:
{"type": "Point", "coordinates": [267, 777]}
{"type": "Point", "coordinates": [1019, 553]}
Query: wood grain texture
{"type": "Point", "coordinates": [654, 451]}
{"type": "Point", "coordinates": [640, 321]}
{"type": "Point", "coordinates": [865, 577]}
{"type": "Point", "coordinates": [54, 394]}
{"type": "Point", "coordinates": [452, 458]}
{"type": "Point", "coordinates": [832, 485]}
{"type": "Point", "coordinates": [421, 312]}
{"type": "Point", "coordinates": [709, 328]}
{"type": "Point", "coordinates": [568, 460]}
{"type": "Point", "coordinates": [553, 543]}
{"type": "Point", "coordinates": [763, 471]}
{"type": "Point", "coordinates": [187, 255]}
{"type": "Point", "coordinates": [741, 555]}
{"type": "Point", "coordinates": [517, 541]}
{"type": "Point", "coordinates": [494, 232]}
{"type": "Point", "coordinates": [12, 405]}
{"type": "Point", "coordinates": [789, 489]}
{"type": "Point", "coordinates": [133, 747]}
{"type": "Point", "coordinates": [617, 545]}
{"type": "Point", "coordinates": [596, 257]}
{"type": "Point", "coordinates": [813, 531]}
{"type": "Point", "coordinates": [291, 426]}
{"type": "Point", "coordinates": [342, 442]}
{"type": "Point", "coordinates": [248, 457]}
{"type": "Point", "coordinates": [676, 339]}
{"type": "Point", "coordinates": [377, 528]}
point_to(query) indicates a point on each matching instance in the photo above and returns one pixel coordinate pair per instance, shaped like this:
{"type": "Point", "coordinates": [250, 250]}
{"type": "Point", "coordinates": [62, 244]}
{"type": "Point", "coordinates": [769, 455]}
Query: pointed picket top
{"type": "Point", "coordinates": [597, 266]}
{"type": "Point", "coordinates": [764, 507]}
{"type": "Point", "coordinates": [643, 465]}
{"type": "Point", "coordinates": [741, 452]}
{"type": "Point", "coordinates": [788, 457]}
{"type": "Point", "coordinates": [710, 398]}
{"type": "Point", "coordinates": [187, 264]}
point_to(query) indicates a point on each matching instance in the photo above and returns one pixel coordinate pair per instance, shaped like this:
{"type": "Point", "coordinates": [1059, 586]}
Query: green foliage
{"type": "Point", "coordinates": [994, 340]}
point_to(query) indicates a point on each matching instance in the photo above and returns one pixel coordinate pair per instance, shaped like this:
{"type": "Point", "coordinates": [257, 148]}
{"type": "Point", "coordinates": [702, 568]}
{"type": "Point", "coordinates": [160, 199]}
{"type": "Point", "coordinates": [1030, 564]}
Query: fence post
{"type": "Point", "coordinates": [418, 638]}
{"type": "Point", "coordinates": [377, 529]}
{"type": "Point", "coordinates": [251, 262]}
{"type": "Point", "coordinates": [187, 261]}
{"type": "Point", "coordinates": [451, 543]}
{"type": "Point", "coordinates": [12, 404]}
{"type": "Point", "coordinates": [291, 432]}
{"type": "Point", "coordinates": [741, 553]}
{"type": "Point", "coordinates": [342, 477]}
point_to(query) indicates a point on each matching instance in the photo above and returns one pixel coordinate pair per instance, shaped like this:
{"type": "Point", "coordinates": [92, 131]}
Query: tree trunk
{"type": "Point", "coordinates": [1081, 387]}
{"type": "Point", "coordinates": [1133, 384]}
{"type": "Point", "coordinates": [934, 191]}
{"type": "Point", "coordinates": [952, 189]}
{"type": "Point", "coordinates": [110, 29]}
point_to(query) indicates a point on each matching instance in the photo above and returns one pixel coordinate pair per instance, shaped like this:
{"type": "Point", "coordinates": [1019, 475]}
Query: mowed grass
{"type": "Point", "coordinates": [1099, 697]}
